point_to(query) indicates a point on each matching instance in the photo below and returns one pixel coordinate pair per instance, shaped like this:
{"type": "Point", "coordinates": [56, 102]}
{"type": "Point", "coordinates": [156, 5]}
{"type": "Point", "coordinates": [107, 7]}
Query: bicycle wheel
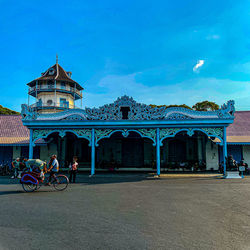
{"type": "Point", "coordinates": [61, 182]}
{"type": "Point", "coordinates": [29, 187]}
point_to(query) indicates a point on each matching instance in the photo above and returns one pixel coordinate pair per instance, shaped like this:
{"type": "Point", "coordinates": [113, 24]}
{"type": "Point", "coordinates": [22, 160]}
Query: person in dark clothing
{"type": "Point", "coordinates": [231, 163]}
{"type": "Point", "coordinates": [73, 170]}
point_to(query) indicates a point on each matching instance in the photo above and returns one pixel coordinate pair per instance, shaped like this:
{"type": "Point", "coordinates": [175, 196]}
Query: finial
{"type": "Point", "coordinates": [56, 59]}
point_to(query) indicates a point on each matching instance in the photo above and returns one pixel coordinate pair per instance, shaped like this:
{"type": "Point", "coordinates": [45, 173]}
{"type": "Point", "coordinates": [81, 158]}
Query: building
{"type": "Point", "coordinates": [54, 90]}
{"type": "Point", "coordinates": [125, 135]}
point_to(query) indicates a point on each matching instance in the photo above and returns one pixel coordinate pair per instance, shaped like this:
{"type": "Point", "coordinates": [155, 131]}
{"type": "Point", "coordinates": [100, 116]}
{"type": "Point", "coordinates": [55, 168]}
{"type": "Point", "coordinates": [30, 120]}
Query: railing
{"type": "Point", "coordinates": [53, 105]}
{"type": "Point", "coordinates": [51, 87]}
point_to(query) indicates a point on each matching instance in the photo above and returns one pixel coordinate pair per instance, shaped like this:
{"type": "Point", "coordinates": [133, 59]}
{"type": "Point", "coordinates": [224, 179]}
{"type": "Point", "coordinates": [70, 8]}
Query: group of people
{"type": "Point", "coordinates": [22, 164]}
{"type": "Point", "coordinates": [232, 165]}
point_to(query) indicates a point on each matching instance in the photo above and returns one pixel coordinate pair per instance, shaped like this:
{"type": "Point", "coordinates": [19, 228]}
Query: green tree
{"type": "Point", "coordinates": [6, 111]}
{"type": "Point", "coordinates": [170, 106]}
{"type": "Point", "coordinates": [205, 106]}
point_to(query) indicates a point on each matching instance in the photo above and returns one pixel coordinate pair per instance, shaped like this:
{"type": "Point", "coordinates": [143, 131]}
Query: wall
{"type": "Point", "coordinates": [246, 153]}
{"type": "Point", "coordinates": [51, 96]}
{"type": "Point", "coordinates": [47, 151]}
{"type": "Point", "coordinates": [16, 152]}
{"type": "Point", "coordinates": [212, 155]}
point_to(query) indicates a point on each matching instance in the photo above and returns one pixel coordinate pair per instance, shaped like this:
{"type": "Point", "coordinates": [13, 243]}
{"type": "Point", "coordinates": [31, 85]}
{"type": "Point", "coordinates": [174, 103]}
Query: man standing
{"type": "Point", "coordinates": [53, 168]}
{"type": "Point", "coordinates": [15, 166]}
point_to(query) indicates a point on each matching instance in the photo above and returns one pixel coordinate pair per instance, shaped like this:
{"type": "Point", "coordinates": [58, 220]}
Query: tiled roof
{"type": "Point", "coordinates": [241, 125]}
{"type": "Point", "coordinates": [58, 73]}
{"type": "Point", "coordinates": [13, 132]}
{"type": "Point", "coordinates": [239, 131]}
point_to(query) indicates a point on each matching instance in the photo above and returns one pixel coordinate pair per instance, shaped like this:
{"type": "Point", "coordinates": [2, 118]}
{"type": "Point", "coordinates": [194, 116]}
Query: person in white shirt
{"type": "Point", "coordinates": [53, 168]}
{"type": "Point", "coordinates": [73, 169]}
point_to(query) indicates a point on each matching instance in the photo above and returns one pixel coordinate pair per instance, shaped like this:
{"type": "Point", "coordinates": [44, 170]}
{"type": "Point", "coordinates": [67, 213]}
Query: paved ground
{"type": "Point", "coordinates": [128, 212]}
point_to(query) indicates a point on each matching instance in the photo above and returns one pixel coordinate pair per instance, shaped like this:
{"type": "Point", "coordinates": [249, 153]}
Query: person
{"type": "Point", "coordinates": [182, 165]}
{"type": "Point", "coordinates": [15, 166]}
{"type": "Point", "coordinates": [53, 168]}
{"type": "Point", "coordinates": [37, 166]}
{"type": "Point", "coordinates": [231, 163]}
{"type": "Point", "coordinates": [73, 169]}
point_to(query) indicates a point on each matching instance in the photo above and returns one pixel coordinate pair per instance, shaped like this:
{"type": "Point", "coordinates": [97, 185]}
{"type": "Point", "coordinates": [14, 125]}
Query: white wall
{"type": "Point", "coordinates": [51, 96]}
{"type": "Point", "coordinates": [246, 153]}
{"type": "Point", "coordinates": [212, 155]}
{"type": "Point", "coordinates": [47, 151]}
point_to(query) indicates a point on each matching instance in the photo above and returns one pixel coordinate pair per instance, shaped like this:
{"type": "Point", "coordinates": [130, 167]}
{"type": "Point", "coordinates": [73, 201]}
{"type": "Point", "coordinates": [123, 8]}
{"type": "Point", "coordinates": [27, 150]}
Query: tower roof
{"type": "Point", "coordinates": [56, 72]}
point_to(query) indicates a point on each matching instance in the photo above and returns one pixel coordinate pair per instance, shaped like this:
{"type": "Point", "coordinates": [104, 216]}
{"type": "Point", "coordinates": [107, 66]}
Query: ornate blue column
{"type": "Point", "coordinates": [158, 154]}
{"type": "Point", "coordinates": [93, 151]}
{"type": "Point", "coordinates": [224, 149]}
{"type": "Point", "coordinates": [31, 144]}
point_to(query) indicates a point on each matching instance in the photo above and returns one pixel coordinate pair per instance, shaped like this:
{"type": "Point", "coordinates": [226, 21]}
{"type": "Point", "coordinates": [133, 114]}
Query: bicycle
{"type": "Point", "coordinates": [31, 181]}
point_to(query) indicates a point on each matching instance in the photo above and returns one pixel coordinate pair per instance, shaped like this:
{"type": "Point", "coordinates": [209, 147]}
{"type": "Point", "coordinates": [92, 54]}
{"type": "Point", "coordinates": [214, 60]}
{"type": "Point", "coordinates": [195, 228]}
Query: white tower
{"type": "Point", "coordinates": [54, 91]}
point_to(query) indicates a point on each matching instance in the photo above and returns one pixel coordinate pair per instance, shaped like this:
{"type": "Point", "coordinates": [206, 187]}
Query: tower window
{"type": "Point", "coordinates": [50, 84]}
{"type": "Point", "coordinates": [63, 85]}
{"type": "Point", "coordinates": [125, 111]}
{"type": "Point", "coordinates": [51, 71]}
{"type": "Point", "coordinates": [64, 103]}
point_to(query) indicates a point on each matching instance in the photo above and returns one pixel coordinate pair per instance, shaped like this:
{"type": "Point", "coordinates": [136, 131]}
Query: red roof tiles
{"type": "Point", "coordinates": [12, 131]}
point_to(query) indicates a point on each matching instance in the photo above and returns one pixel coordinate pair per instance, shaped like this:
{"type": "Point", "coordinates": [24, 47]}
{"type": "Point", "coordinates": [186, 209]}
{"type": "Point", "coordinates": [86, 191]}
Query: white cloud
{"type": "Point", "coordinates": [198, 65]}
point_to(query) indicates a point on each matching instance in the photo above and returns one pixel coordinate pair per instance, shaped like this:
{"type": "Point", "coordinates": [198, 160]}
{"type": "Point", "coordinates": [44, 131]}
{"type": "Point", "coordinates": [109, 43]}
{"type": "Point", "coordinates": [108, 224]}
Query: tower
{"type": "Point", "coordinates": [54, 90]}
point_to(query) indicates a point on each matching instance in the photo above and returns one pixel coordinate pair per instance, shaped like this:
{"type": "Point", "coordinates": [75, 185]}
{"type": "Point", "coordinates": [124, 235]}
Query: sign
{"type": "Point", "coordinates": [241, 168]}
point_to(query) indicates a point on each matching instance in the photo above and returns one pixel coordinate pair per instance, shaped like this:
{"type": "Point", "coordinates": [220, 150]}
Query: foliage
{"type": "Point", "coordinates": [6, 111]}
{"type": "Point", "coordinates": [170, 106]}
{"type": "Point", "coordinates": [205, 106]}
{"type": "Point", "coordinates": [199, 106]}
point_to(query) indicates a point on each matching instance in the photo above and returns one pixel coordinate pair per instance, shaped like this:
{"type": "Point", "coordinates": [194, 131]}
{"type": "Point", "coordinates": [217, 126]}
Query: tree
{"type": "Point", "coordinates": [6, 111]}
{"type": "Point", "coordinates": [170, 106]}
{"type": "Point", "coordinates": [205, 106]}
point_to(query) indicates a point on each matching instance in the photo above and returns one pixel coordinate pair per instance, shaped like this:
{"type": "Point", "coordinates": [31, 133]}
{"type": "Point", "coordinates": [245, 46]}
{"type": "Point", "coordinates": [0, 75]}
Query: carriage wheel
{"type": "Point", "coordinates": [29, 187]}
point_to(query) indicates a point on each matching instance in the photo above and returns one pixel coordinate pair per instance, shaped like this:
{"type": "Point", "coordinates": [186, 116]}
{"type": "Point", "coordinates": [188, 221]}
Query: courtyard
{"type": "Point", "coordinates": [128, 211]}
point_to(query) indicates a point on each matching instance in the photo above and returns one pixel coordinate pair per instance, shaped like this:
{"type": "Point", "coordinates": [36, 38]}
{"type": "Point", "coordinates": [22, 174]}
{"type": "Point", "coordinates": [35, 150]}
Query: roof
{"type": "Point", "coordinates": [56, 72]}
{"type": "Point", "coordinates": [239, 130]}
{"type": "Point", "coordinates": [241, 124]}
{"type": "Point", "coordinates": [13, 132]}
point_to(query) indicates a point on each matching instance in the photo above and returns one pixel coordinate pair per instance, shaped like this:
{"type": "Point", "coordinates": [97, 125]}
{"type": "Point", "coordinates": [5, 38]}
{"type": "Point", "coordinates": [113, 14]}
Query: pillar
{"type": "Point", "coordinates": [93, 152]}
{"type": "Point", "coordinates": [31, 144]}
{"type": "Point", "coordinates": [158, 154]}
{"type": "Point", "coordinates": [224, 149]}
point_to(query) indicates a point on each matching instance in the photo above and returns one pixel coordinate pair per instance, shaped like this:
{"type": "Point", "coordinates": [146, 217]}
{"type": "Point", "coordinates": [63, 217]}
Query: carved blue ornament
{"type": "Point", "coordinates": [210, 132]}
{"type": "Point", "coordinates": [149, 133]}
{"type": "Point", "coordinates": [136, 111]}
{"type": "Point", "coordinates": [44, 133]}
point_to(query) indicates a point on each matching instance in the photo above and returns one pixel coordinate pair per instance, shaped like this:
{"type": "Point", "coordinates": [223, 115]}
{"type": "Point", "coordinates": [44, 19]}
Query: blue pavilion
{"type": "Point", "coordinates": [124, 135]}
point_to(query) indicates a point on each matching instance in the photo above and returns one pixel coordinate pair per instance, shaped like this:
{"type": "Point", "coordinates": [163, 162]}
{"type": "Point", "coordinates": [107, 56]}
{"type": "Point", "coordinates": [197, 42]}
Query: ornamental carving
{"type": "Point", "coordinates": [41, 133]}
{"type": "Point", "coordinates": [135, 111]}
{"type": "Point", "coordinates": [102, 133]}
{"type": "Point", "coordinates": [213, 132]}
{"type": "Point", "coordinates": [171, 132]}
{"type": "Point", "coordinates": [44, 133]}
{"type": "Point", "coordinates": [106, 133]}
{"type": "Point", "coordinates": [148, 132]}
{"type": "Point", "coordinates": [84, 133]}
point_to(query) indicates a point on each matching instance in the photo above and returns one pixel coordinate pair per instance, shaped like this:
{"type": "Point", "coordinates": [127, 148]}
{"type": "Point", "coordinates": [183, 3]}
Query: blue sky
{"type": "Point", "coordinates": [145, 49]}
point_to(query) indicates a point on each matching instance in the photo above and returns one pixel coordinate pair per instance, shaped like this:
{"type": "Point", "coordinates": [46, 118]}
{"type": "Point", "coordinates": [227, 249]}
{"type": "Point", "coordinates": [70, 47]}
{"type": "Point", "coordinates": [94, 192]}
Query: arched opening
{"type": "Point", "coordinates": [188, 153]}
{"type": "Point", "coordinates": [65, 148]}
{"type": "Point", "coordinates": [125, 153]}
